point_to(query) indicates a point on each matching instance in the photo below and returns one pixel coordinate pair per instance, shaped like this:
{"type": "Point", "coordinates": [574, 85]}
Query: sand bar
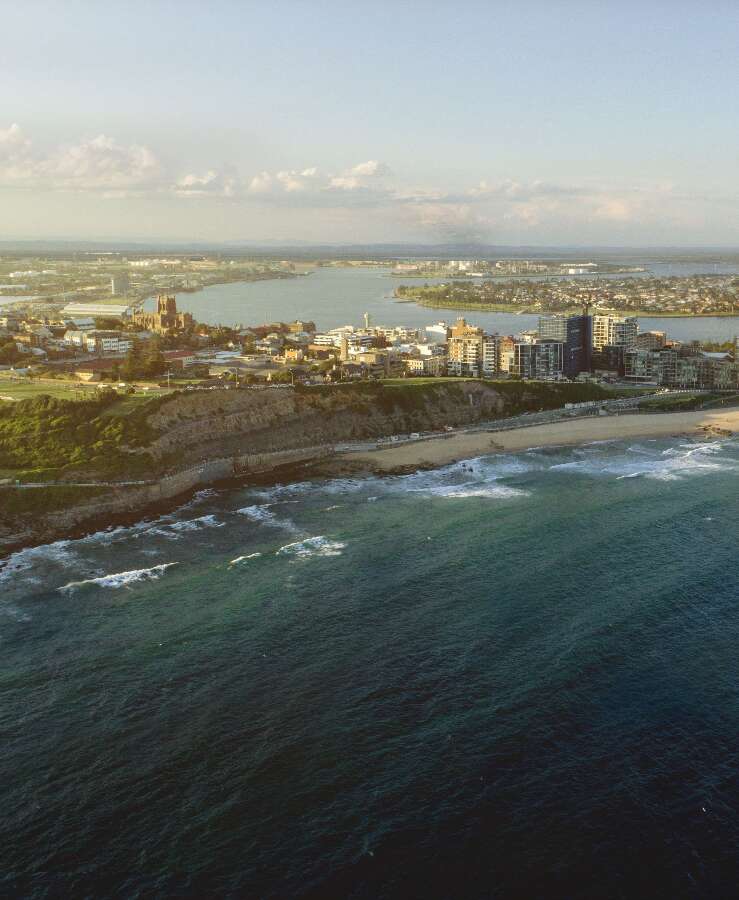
{"type": "Point", "coordinates": [451, 448]}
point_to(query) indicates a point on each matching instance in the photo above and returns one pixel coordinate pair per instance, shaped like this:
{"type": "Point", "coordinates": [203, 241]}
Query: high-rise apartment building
{"type": "Point", "coordinates": [491, 354]}
{"type": "Point", "coordinates": [553, 328]}
{"type": "Point", "coordinates": [119, 285]}
{"type": "Point", "coordinates": [542, 361]}
{"type": "Point", "coordinates": [578, 345]}
{"type": "Point", "coordinates": [614, 331]}
{"type": "Point", "coordinates": [464, 349]}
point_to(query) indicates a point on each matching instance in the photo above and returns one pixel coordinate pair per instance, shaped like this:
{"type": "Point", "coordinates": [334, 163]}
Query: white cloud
{"type": "Point", "coordinates": [100, 163]}
{"type": "Point", "coordinates": [210, 184]}
{"type": "Point", "coordinates": [360, 177]}
{"type": "Point", "coordinates": [108, 168]}
{"type": "Point", "coordinates": [616, 209]}
{"type": "Point", "coordinates": [370, 169]}
{"type": "Point", "coordinates": [313, 187]}
{"type": "Point", "coordinates": [260, 184]}
{"type": "Point", "coordinates": [12, 141]}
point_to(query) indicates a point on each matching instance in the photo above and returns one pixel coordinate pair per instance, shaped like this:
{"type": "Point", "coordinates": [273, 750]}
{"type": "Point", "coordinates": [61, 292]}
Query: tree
{"type": "Point", "coordinates": [9, 353]}
{"type": "Point", "coordinates": [154, 362]}
{"type": "Point", "coordinates": [106, 324]}
{"type": "Point", "coordinates": [132, 365]}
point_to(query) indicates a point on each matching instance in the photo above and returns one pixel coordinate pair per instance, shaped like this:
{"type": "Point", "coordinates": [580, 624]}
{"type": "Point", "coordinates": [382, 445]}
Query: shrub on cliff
{"type": "Point", "coordinates": [53, 435]}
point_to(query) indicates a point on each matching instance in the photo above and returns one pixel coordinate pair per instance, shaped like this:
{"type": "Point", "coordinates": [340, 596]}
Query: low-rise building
{"type": "Point", "coordinates": [102, 342]}
{"type": "Point", "coordinates": [651, 340]}
{"type": "Point", "coordinates": [426, 365]}
{"type": "Point", "coordinates": [180, 359]}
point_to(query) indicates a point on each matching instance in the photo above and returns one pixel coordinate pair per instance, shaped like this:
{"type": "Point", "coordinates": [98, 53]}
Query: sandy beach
{"type": "Point", "coordinates": [452, 448]}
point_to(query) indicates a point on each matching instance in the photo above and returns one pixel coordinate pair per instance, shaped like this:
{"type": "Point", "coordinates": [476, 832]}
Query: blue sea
{"type": "Point", "coordinates": [516, 676]}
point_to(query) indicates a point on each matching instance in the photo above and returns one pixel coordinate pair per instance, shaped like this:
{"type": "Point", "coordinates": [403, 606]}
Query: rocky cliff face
{"type": "Point", "coordinates": [199, 425]}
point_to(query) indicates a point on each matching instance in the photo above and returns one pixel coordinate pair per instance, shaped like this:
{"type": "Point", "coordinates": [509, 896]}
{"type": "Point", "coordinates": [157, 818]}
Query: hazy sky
{"type": "Point", "coordinates": [549, 122]}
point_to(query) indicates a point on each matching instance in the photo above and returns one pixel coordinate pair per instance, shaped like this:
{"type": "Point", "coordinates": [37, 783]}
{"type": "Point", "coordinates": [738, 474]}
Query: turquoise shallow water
{"type": "Point", "coordinates": [511, 677]}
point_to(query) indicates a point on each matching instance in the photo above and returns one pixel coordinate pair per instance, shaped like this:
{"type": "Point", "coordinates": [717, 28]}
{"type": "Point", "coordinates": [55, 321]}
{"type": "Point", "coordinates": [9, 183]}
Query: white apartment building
{"type": "Point", "coordinates": [107, 342]}
{"type": "Point", "coordinates": [614, 331]}
{"type": "Point", "coordinates": [75, 338]}
{"type": "Point", "coordinates": [490, 354]}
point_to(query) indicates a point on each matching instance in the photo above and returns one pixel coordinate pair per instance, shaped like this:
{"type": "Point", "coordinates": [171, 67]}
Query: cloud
{"type": "Point", "coordinates": [101, 163]}
{"type": "Point", "coordinates": [313, 187]}
{"type": "Point", "coordinates": [361, 176]}
{"type": "Point", "coordinates": [97, 164]}
{"type": "Point", "coordinates": [210, 184]}
{"type": "Point", "coordinates": [370, 169]}
{"type": "Point", "coordinates": [12, 141]}
{"type": "Point", "coordinates": [616, 209]}
{"type": "Point", "coordinates": [16, 163]}
{"type": "Point", "coordinates": [512, 208]}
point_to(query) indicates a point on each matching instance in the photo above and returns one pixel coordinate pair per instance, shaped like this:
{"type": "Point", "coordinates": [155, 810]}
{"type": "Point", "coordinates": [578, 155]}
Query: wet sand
{"type": "Point", "coordinates": [451, 448]}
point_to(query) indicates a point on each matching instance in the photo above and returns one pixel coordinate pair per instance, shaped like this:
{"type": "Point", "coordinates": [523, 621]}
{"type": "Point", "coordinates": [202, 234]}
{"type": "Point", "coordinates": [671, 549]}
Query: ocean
{"type": "Point", "coordinates": [515, 676]}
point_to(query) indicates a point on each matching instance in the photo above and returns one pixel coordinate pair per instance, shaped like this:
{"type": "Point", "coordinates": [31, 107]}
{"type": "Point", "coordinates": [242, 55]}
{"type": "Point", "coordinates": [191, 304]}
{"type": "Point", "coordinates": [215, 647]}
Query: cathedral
{"type": "Point", "coordinates": [166, 317]}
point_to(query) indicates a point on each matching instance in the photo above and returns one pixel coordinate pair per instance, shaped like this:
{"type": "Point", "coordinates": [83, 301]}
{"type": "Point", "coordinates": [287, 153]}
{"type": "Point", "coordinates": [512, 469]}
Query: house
{"type": "Point", "coordinates": [180, 359]}
{"type": "Point", "coordinates": [95, 369]}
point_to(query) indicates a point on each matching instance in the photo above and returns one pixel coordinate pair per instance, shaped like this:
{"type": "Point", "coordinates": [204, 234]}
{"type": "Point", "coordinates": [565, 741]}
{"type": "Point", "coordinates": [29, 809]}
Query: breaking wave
{"type": "Point", "coordinates": [173, 529]}
{"type": "Point", "coordinates": [650, 461]}
{"type": "Point", "coordinates": [313, 546]}
{"type": "Point", "coordinates": [263, 514]}
{"type": "Point", "coordinates": [196, 524]}
{"type": "Point", "coordinates": [240, 559]}
{"type": "Point", "coordinates": [119, 579]}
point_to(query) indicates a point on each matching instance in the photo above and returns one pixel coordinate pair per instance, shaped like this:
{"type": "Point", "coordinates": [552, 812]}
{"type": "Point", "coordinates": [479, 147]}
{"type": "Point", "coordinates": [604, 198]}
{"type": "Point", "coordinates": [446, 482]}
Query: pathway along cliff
{"type": "Point", "coordinates": [181, 442]}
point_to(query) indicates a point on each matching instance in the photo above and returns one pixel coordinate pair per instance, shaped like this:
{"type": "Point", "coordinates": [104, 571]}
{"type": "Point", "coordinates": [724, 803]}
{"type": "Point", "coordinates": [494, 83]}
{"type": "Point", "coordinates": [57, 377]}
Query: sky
{"type": "Point", "coordinates": [530, 123]}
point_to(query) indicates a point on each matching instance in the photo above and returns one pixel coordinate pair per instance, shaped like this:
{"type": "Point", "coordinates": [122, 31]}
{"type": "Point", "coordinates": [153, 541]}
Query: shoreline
{"type": "Point", "coordinates": [429, 453]}
{"type": "Point", "coordinates": [517, 310]}
{"type": "Point", "coordinates": [447, 449]}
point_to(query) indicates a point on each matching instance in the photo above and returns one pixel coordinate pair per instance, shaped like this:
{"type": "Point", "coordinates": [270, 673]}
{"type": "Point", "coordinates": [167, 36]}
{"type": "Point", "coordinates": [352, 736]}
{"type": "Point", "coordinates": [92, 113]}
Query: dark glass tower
{"type": "Point", "coordinates": [579, 344]}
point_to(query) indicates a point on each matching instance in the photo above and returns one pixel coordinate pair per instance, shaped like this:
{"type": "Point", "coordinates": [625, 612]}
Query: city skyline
{"type": "Point", "coordinates": [545, 126]}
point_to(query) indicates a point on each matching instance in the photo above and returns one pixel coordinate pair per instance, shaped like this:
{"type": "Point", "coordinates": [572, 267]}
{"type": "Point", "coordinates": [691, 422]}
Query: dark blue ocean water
{"type": "Point", "coordinates": [514, 677]}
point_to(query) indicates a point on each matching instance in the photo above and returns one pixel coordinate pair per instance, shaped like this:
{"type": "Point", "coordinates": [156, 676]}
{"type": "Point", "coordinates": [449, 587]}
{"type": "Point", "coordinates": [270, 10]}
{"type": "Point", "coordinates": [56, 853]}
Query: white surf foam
{"type": "Point", "coordinates": [240, 559]}
{"type": "Point", "coordinates": [313, 546]}
{"type": "Point", "coordinates": [196, 524]}
{"type": "Point", "coordinates": [119, 579]}
{"type": "Point", "coordinates": [263, 514]}
{"type": "Point", "coordinates": [174, 529]}
{"type": "Point", "coordinates": [489, 491]}
{"type": "Point", "coordinates": [669, 464]}
{"type": "Point", "coordinates": [471, 478]}
{"type": "Point", "coordinates": [23, 562]}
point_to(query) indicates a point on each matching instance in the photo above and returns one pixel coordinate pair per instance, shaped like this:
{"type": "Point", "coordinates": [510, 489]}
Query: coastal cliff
{"type": "Point", "coordinates": [119, 462]}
